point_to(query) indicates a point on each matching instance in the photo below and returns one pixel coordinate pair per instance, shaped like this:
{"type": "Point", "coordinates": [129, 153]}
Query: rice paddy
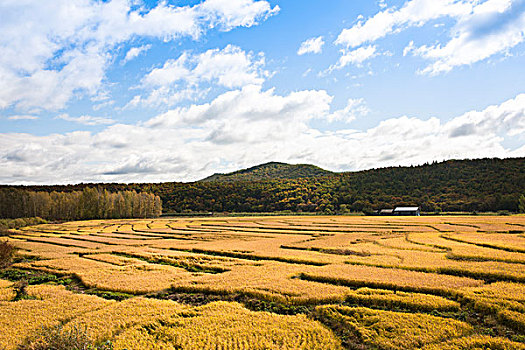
{"type": "Point", "coordinates": [287, 282]}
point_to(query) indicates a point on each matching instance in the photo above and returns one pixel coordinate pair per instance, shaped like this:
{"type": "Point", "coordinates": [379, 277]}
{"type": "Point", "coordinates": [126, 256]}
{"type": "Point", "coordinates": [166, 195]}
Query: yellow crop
{"type": "Point", "coordinates": [105, 323]}
{"type": "Point", "coordinates": [391, 330]}
{"type": "Point", "coordinates": [222, 325]}
{"type": "Point", "coordinates": [333, 279]}
{"type": "Point", "coordinates": [52, 304]}
{"type": "Point", "coordinates": [476, 342]}
{"type": "Point", "coordinates": [6, 293]}
{"type": "Point", "coordinates": [391, 299]}
{"type": "Point", "coordinates": [5, 284]}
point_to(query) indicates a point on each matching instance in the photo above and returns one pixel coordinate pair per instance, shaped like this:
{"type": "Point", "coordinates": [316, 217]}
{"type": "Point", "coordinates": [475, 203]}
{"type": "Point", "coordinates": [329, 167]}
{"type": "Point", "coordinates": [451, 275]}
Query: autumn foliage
{"type": "Point", "coordinates": [89, 203]}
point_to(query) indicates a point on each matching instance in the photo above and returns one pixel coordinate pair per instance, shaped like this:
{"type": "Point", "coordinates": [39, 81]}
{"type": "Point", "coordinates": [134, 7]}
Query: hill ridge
{"type": "Point", "coordinates": [270, 170]}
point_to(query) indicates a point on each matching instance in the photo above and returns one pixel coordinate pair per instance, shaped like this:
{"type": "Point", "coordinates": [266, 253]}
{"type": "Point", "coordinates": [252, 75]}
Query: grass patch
{"type": "Point", "coordinates": [188, 266]}
{"type": "Point", "coordinates": [363, 328]}
{"type": "Point", "coordinates": [23, 278]}
{"type": "Point", "coordinates": [32, 277]}
{"type": "Point", "coordinates": [7, 224]}
{"type": "Point", "coordinates": [447, 293]}
{"type": "Point", "coordinates": [476, 258]}
{"type": "Point", "coordinates": [109, 295]}
{"type": "Point", "coordinates": [328, 250]}
{"type": "Point", "coordinates": [238, 255]}
{"type": "Point", "coordinates": [484, 245]}
{"type": "Point", "coordinates": [488, 277]}
{"type": "Point", "coordinates": [246, 299]}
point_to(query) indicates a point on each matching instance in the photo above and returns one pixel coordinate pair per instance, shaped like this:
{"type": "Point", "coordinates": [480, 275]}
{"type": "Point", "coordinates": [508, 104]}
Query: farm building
{"type": "Point", "coordinates": [386, 212]}
{"type": "Point", "coordinates": [407, 211]}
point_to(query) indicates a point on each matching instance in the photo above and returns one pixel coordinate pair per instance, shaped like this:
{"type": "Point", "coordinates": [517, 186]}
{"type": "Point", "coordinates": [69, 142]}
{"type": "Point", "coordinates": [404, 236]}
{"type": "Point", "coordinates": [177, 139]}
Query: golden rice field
{"type": "Point", "coordinates": [286, 282]}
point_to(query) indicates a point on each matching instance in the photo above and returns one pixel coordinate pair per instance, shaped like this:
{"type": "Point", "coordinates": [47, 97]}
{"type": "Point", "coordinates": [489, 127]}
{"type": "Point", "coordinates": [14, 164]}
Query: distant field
{"type": "Point", "coordinates": [286, 282]}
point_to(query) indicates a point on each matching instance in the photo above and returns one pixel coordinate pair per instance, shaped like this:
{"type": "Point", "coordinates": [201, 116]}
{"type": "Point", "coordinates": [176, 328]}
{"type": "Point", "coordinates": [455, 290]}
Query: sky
{"type": "Point", "coordinates": [154, 91]}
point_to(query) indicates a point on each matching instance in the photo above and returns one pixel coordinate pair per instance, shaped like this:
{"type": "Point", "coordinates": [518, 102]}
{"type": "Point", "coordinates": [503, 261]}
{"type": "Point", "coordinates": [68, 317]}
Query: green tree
{"type": "Point", "coordinates": [521, 204]}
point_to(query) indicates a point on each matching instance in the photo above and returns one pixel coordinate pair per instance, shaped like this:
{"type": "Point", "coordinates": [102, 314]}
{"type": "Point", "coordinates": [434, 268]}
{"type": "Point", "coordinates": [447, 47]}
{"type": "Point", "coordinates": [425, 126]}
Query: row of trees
{"type": "Point", "coordinates": [456, 185]}
{"type": "Point", "coordinates": [89, 203]}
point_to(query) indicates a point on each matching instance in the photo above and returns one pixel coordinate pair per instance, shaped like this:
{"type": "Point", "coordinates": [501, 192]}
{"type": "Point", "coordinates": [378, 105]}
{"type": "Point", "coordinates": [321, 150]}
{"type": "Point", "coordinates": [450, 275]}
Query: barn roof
{"type": "Point", "coordinates": [406, 209]}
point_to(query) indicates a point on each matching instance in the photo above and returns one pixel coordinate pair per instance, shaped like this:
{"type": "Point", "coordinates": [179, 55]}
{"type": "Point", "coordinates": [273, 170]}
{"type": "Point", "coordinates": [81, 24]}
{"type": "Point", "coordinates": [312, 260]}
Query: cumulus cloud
{"type": "Point", "coordinates": [229, 14]}
{"type": "Point", "coordinates": [183, 78]}
{"type": "Point", "coordinates": [507, 118]}
{"type": "Point", "coordinates": [312, 45]}
{"type": "Point", "coordinates": [86, 119]}
{"type": "Point", "coordinates": [53, 51]}
{"type": "Point", "coordinates": [412, 13]}
{"type": "Point", "coordinates": [249, 126]}
{"type": "Point", "coordinates": [134, 52]}
{"type": "Point", "coordinates": [249, 106]}
{"type": "Point", "coordinates": [354, 108]}
{"type": "Point", "coordinates": [492, 27]}
{"type": "Point", "coordinates": [480, 30]}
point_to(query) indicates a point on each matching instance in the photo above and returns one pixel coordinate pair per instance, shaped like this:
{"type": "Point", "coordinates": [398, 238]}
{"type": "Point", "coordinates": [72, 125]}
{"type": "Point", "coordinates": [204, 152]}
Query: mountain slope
{"type": "Point", "coordinates": [271, 170]}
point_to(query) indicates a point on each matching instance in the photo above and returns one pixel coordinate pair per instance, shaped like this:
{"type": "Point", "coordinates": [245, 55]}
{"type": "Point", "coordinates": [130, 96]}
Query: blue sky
{"type": "Point", "coordinates": [103, 91]}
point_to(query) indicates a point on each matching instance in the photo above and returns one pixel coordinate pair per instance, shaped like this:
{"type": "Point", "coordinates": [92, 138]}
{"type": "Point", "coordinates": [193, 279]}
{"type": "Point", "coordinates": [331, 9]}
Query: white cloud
{"type": "Point", "coordinates": [22, 117]}
{"type": "Point", "coordinates": [230, 67]}
{"type": "Point", "coordinates": [134, 52]}
{"type": "Point", "coordinates": [86, 119]}
{"type": "Point", "coordinates": [249, 126]}
{"type": "Point", "coordinates": [481, 30]}
{"type": "Point", "coordinates": [508, 118]}
{"type": "Point", "coordinates": [229, 14]}
{"type": "Point", "coordinates": [165, 96]}
{"type": "Point", "coordinates": [355, 108]}
{"type": "Point", "coordinates": [493, 27]}
{"type": "Point", "coordinates": [54, 51]}
{"type": "Point", "coordinates": [409, 48]}
{"type": "Point", "coordinates": [182, 78]}
{"type": "Point", "coordinates": [250, 106]}
{"type": "Point", "coordinates": [355, 57]}
{"type": "Point", "coordinates": [312, 45]}
{"type": "Point", "coordinates": [413, 13]}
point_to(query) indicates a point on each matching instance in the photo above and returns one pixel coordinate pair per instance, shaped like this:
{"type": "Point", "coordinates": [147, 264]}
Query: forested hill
{"type": "Point", "coordinates": [270, 171]}
{"type": "Point", "coordinates": [454, 185]}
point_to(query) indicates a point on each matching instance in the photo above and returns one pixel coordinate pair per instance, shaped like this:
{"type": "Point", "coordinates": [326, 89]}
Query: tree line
{"type": "Point", "coordinates": [482, 185]}
{"type": "Point", "coordinates": [479, 185]}
{"type": "Point", "coordinates": [88, 203]}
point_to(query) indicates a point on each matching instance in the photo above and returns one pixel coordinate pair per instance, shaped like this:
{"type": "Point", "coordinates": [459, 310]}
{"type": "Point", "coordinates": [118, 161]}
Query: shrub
{"type": "Point", "coordinates": [7, 224]}
{"type": "Point", "coordinates": [20, 289]}
{"type": "Point", "coordinates": [7, 252]}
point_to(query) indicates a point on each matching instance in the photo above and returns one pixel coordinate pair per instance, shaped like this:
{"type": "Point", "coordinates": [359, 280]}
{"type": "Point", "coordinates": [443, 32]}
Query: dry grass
{"type": "Point", "coordinates": [58, 338]}
{"type": "Point", "coordinates": [222, 325]}
{"type": "Point", "coordinates": [50, 306]}
{"type": "Point", "coordinates": [475, 343]}
{"type": "Point", "coordinates": [418, 265]}
{"type": "Point", "coordinates": [107, 322]}
{"type": "Point", "coordinates": [366, 328]}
